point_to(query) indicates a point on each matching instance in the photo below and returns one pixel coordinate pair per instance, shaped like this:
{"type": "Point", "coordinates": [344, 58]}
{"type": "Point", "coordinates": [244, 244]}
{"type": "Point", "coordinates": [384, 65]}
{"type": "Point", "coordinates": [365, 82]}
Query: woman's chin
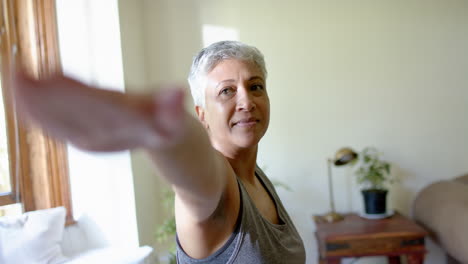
{"type": "Point", "coordinates": [248, 141]}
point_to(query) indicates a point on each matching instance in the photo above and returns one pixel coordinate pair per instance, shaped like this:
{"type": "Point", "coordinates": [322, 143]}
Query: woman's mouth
{"type": "Point", "coordinates": [246, 122]}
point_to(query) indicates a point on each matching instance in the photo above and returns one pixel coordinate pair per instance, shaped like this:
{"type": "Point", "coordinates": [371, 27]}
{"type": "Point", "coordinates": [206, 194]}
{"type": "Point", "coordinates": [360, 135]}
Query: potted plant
{"type": "Point", "coordinates": [373, 174]}
{"type": "Point", "coordinates": [167, 231]}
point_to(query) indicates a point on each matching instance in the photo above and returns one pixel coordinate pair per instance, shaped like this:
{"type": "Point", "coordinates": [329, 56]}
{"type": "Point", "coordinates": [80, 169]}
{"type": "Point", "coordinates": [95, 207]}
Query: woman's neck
{"type": "Point", "coordinates": [243, 163]}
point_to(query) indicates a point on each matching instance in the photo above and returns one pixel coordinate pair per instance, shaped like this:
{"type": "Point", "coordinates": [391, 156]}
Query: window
{"type": "Point", "coordinates": [6, 185]}
{"type": "Point", "coordinates": [38, 169]}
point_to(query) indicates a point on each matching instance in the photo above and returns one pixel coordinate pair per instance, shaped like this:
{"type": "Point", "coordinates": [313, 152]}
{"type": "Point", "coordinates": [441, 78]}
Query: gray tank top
{"type": "Point", "coordinates": [255, 239]}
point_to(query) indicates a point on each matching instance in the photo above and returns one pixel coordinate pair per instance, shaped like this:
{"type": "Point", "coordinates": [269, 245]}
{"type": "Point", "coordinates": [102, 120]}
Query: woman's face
{"type": "Point", "coordinates": [237, 107]}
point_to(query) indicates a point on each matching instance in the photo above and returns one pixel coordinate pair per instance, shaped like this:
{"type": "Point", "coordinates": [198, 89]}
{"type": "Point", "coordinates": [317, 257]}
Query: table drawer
{"type": "Point", "coordinates": [371, 246]}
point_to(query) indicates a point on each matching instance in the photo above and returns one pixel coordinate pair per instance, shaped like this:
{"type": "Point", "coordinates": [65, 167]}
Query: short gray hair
{"type": "Point", "coordinates": [207, 59]}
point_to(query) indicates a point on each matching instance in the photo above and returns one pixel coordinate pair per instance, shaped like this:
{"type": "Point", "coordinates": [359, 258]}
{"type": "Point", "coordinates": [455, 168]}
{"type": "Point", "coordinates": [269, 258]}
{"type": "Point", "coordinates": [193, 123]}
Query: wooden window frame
{"type": "Point", "coordinates": [41, 163]}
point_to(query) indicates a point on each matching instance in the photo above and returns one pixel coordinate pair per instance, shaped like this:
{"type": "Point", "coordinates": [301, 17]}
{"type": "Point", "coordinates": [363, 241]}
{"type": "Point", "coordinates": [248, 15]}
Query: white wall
{"type": "Point", "coordinates": [101, 184]}
{"type": "Point", "coordinates": [391, 74]}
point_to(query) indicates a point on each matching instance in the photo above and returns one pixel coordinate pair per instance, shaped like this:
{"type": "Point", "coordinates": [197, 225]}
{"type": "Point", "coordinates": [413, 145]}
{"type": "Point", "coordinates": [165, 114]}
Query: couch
{"type": "Point", "coordinates": [40, 237]}
{"type": "Point", "coordinates": [442, 208]}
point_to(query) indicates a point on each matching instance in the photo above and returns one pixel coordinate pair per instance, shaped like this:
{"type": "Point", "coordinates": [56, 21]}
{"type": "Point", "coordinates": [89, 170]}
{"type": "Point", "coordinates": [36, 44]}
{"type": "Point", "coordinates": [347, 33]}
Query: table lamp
{"type": "Point", "coordinates": [342, 157]}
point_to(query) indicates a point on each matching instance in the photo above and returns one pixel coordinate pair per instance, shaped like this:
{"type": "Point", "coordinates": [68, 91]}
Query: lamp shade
{"type": "Point", "coordinates": [344, 156]}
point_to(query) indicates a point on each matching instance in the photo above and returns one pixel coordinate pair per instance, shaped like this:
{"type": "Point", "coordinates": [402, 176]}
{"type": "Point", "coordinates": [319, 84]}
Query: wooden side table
{"type": "Point", "coordinates": [357, 237]}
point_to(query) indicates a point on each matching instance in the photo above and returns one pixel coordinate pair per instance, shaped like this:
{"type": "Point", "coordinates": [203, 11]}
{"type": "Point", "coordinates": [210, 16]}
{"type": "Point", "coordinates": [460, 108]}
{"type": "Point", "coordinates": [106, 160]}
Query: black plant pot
{"type": "Point", "coordinates": [375, 201]}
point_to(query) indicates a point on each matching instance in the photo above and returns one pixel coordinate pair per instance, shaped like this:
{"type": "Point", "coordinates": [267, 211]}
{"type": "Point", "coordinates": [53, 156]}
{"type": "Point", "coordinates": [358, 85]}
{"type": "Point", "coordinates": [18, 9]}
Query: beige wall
{"type": "Point", "coordinates": [157, 46]}
{"type": "Point", "coordinates": [391, 74]}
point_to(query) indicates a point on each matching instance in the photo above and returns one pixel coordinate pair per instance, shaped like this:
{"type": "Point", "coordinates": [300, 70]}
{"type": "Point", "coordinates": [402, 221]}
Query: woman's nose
{"type": "Point", "coordinates": [245, 101]}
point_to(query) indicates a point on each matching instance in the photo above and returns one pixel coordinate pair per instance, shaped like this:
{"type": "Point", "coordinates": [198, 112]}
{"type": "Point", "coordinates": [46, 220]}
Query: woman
{"type": "Point", "coordinates": [227, 211]}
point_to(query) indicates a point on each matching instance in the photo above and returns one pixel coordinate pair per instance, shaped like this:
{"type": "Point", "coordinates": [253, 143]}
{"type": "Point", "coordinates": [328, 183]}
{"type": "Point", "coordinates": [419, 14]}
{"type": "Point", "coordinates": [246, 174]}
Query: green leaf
{"type": "Point", "coordinates": [372, 171]}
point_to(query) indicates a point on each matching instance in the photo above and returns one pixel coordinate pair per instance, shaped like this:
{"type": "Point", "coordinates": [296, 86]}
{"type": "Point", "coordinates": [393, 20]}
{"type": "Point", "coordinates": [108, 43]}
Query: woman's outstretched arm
{"type": "Point", "coordinates": [101, 120]}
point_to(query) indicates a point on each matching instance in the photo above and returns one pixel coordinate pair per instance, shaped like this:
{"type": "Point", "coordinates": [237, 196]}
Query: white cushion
{"type": "Point", "coordinates": [33, 237]}
{"type": "Point", "coordinates": [116, 255]}
{"type": "Point", "coordinates": [75, 240]}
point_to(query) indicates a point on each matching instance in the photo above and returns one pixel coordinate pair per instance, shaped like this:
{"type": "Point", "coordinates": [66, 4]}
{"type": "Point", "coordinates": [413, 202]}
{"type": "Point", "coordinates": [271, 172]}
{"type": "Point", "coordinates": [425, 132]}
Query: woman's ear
{"type": "Point", "coordinates": [201, 116]}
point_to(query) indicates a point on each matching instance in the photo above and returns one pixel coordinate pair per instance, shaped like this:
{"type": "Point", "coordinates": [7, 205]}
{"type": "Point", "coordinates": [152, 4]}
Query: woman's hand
{"type": "Point", "coordinates": [100, 120]}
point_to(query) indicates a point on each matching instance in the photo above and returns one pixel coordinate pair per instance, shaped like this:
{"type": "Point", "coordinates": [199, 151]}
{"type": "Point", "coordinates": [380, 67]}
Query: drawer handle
{"type": "Point", "coordinates": [412, 242]}
{"type": "Point", "coordinates": [336, 246]}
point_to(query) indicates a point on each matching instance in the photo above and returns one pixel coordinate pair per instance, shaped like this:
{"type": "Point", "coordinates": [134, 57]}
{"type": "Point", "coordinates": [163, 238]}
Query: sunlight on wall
{"type": "Point", "coordinates": [101, 184]}
{"type": "Point", "coordinates": [212, 34]}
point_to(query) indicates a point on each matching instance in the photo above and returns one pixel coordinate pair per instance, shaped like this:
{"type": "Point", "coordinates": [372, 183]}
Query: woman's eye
{"type": "Point", "coordinates": [226, 91]}
{"type": "Point", "coordinates": [256, 87]}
